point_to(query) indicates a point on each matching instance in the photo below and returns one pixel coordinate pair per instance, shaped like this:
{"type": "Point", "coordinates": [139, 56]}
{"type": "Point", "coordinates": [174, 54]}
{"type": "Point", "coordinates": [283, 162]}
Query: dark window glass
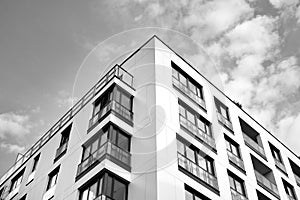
{"type": "Point", "coordinates": [16, 181]}
{"type": "Point", "coordinates": [191, 194]}
{"type": "Point", "coordinates": [52, 178]}
{"type": "Point", "coordinates": [237, 184]}
{"type": "Point", "coordinates": [232, 147]}
{"type": "Point", "coordinates": [222, 109]}
{"type": "Point", "coordinates": [35, 162]}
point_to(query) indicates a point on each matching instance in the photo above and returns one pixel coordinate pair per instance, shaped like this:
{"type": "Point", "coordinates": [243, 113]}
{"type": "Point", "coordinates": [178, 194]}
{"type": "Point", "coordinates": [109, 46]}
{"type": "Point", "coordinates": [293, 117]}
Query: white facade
{"type": "Point", "coordinates": [153, 168]}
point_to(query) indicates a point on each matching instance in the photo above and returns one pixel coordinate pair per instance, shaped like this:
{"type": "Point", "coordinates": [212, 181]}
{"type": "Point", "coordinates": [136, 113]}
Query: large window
{"type": "Point", "coordinates": [277, 157]}
{"type": "Point", "coordinates": [106, 185]}
{"type": "Point", "coordinates": [222, 109]}
{"type": "Point", "coordinates": [16, 181]}
{"type": "Point", "coordinates": [236, 185]}
{"type": "Point", "coordinates": [195, 156]}
{"type": "Point", "coordinates": [233, 151]}
{"type": "Point", "coordinates": [187, 85]}
{"type": "Point", "coordinates": [52, 178]}
{"type": "Point", "coordinates": [191, 194]}
{"type": "Point", "coordinates": [194, 118]}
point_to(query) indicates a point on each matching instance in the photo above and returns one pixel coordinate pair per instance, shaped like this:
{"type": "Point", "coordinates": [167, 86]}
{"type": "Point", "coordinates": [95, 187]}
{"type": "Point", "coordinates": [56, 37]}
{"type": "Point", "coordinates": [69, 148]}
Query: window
{"type": "Point", "coordinates": [16, 181]}
{"type": "Point", "coordinates": [107, 185]}
{"type": "Point", "coordinates": [191, 194]}
{"type": "Point", "coordinates": [232, 147]}
{"type": "Point", "coordinates": [195, 119]}
{"type": "Point", "coordinates": [65, 136]}
{"type": "Point", "coordinates": [35, 162]}
{"type": "Point", "coordinates": [197, 157]}
{"type": "Point", "coordinates": [275, 153]}
{"type": "Point", "coordinates": [233, 152]}
{"type": "Point", "coordinates": [236, 185]}
{"type": "Point", "coordinates": [23, 197]}
{"type": "Point", "coordinates": [52, 178]}
{"type": "Point", "coordinates": [222, 109]}
{"type": "Point", "coordinates": [289, 190]}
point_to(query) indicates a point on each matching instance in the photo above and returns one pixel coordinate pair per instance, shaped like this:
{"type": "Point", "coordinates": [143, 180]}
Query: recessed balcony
{"type": "Point", "coordinates": [266, 183]}
{"type": "Point", "coordinates": [223, 120]}
{"type": "Point", "coordinates": [192, 128]}
{"type": "Point", "coordinates": [197, 171]}
{"type": "Point", "coordinates": [106, 151]}
{"type": "Point", "coordinates": [189, 93]}
{"type": "Point", "coordinates": [237, 196]}
{"type": "Point", "coordinates": [254, 146]}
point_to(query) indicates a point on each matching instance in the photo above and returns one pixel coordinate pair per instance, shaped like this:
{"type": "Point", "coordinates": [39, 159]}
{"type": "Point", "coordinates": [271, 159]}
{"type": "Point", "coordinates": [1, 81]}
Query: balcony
{"type": "Point", "coordinates": [61, 150]}
{"type": "Point", "coordinates": [197, 171]}
{"type": "Point", "coordinates": [109, 151]}
{"type": "Point", "coordinates": [266, 183]}
{"type": "Point", "coordinates": [197, 132]}
{"type": "Point", "coordinates": [280, 165]}
{"type": "Point", "coordinates": [237, 196]}
{"type": "Point", "coordinates": [116, 72]}
{"type": "Point", "coordinates": [236, 160]}
{"type": "Point", "coordinates": [189, 93]}
{"type": "Point", "coordinates": [223, 120]}
{"type": "Point", "coordinates": [112, 107]}
{"type": "Point", "coordinates": [254, 146]}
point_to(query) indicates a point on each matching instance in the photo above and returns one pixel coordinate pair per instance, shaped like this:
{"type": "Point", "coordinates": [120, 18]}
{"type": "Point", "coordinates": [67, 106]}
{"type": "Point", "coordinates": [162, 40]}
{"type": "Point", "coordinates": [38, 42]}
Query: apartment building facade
{"type": "Point", "coordinates": [154, 128]}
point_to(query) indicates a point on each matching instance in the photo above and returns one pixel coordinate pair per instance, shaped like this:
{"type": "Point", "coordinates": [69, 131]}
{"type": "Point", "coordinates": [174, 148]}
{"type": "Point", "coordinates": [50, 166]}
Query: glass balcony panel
{"type": "Point", "coordinates": [224, 121]}
{"type": "Point", "coordinates": [260, 150]}
{"type": "Point", "coordinates": [184, 89]}
{"type": "Point", "coordinates": [112, 106]}
{"type": "Point", "coordinates": [197, 132]}
{"type": "Point", "coordinates": [236, 160]}
{"type": "Point", "coordinates": [237, 196]}
{"type": "Point", "coordinates": [107, 149]}
{"type": "Point", "coordinates": [197, 171]}
{"type": "Point", "coordinates": [266, 183]}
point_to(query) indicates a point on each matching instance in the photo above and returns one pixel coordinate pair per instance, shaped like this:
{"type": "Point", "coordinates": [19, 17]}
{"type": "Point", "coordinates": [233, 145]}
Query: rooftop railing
{"type": "Point", "coordinates": [185, 90]}
{"type": "Point", "coordinates": [266, 183]}
{"type": "Point", "coordinates": [255, 146]}
{"type": "Point", "coordinates": [115, 107]}
{"type": "Point", "coordinates": [116, 71]}
{"type": "Point", "coordinates": [236, 160]}
{"type": "Point", "coordinates": [197, 132]}
{"type": "Point", "coordinates": [107, 149]}
{"type": "Point", "coordinates": [223, 120]}
{"type": "Point", "coordinates": [197, 171]}
{"type": "Point", "coordinates": [237, 196]}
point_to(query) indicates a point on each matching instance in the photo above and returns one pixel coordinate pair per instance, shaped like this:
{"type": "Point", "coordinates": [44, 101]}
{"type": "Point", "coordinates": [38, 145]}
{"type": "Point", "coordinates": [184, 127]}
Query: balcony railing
{"type": "Point", "coordinates": [116, 71]}
{"type": "Point", "coordinates": [223, 120]}
{"type": "Point", "coordinates": [108, 150]}
{"type": "Point", "coordinates": [237, 196]}
{"type": "Point", "coordinates": [266, 183]}
{"type": "Point", "coordinates": [280, 165]}
{"type": "Point", "coordinates": [253, 145]}
{"type": "Point", "coordinates": [103, 197]}
{"type": "Point", "coordinates": [197, 171]}
{"type": "Point", "coordinates": [185, 90]}
{"type": "Point", "coordinates": [61, 150]}
{"type": "Point", "coordinates": [236, 160]}
{"type": "Point", "coordinates": [297, 179]}
{"type": "Point", "coordinates": [197, 132]}
{"type": "Point", "coordinates": [115, 107]}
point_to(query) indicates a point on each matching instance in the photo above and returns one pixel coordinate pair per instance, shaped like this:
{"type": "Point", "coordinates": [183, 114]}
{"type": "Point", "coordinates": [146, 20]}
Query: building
{"type": "Point", "coordinates": [154, 128]}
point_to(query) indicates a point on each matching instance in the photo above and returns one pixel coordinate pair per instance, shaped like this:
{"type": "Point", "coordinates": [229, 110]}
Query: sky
{"type": "Point", "coordinates": [255, 46]}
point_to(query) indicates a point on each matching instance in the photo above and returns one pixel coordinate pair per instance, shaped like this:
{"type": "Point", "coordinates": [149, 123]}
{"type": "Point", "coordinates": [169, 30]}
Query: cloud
{"type": "Point", "coordinates": [13, 124]}
{"type": "Point", "coordinates": [12, 148]}
{"type": "Point", "coordinates": [64, 99]}
{"type": "Point", "coordinates": [298, 14]}
{"type": "Point", "coordinates": [279, 4]}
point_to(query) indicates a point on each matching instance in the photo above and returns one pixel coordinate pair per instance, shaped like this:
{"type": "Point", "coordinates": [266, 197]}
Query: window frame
{"type": "Point", "coordinates": [236, 180]}
{"type": "Point", "coordinates": [231, 145]}
{"type": "Point", "coordinates": [220, 106]}
{"type": "Point", "coordinates": [51, 175]}
{"type": "Point", "coordinates": [16, 180]}
{"type": "Point", "coordinates": [35, 162]}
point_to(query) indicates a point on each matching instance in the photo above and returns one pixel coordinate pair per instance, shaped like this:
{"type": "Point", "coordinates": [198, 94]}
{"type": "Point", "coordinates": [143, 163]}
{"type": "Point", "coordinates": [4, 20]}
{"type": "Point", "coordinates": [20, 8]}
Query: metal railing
{"type": "Point", "coordinates": [237, 196]}
{"type": "Point", "coordinates": [224, 121]}
{"type": "Point", "coordinates": [61, 149]}
{"type": "Point", "coordinates": [197, 171]}
{"type": "Point", "coordinates": [116, 71]}
{"type": "Point", "coordinates": [115, 107]}
{"type": "Point", "coordinates": [197, 132]}
{"type": "Point", "coordinates": [236, 160]}
{"type": "Point", "coordinates": [259, 149]}
{"type": "Point", "coordinates": [266, 183]}
{"type": "Point", "coordinates": [280, 165]}
{"type": "Point", "coordinates": [107, 149]}
{"type": "Point", "coordinates": [103, 197]}
{"type": "Point", "coordinates": [184, 89]}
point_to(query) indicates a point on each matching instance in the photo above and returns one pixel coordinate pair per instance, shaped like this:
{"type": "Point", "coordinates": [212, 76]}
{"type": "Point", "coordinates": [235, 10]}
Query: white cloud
{"type": "Point", "coordinates": [283, 3]}
{"type": "Point", "coordinates": [12, 148]}
{"type": "Point", "coordinates": [298, 14]}
{"type": "Point", "coordinates": [12, 124]}
{"type": "Point", "coordinates": [64, 99]}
